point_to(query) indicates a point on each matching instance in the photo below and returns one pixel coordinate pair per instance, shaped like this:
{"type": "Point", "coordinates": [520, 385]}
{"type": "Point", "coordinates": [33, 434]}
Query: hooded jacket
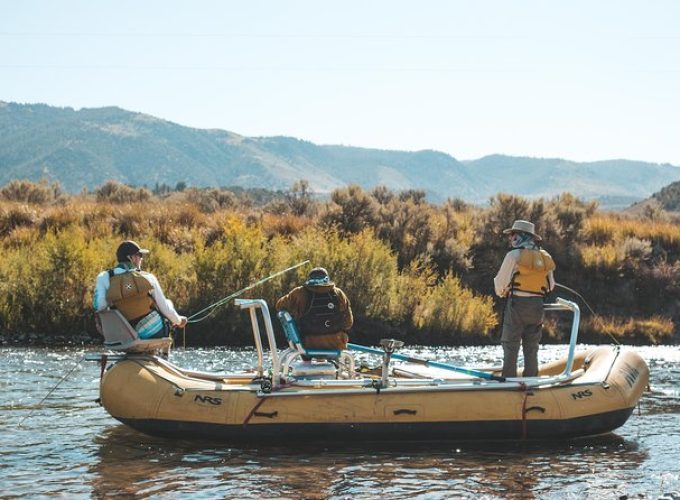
{"type": "Point", "coordinates": [297, 303]}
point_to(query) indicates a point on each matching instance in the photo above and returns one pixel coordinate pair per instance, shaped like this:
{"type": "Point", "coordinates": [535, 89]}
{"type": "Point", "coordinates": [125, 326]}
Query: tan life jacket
{"type": "Point", "coordinates": [129, 292]}
{"type": "Point", "coordinates": [533, 267]}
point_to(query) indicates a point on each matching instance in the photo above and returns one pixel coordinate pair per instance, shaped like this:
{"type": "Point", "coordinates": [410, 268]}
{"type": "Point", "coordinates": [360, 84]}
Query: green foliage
{"type": "Point", "coordinates": [451, 307]}
{"type": "Point", "coordinates": [407, 266]}
{"type": "Point", "coordinates": [50, 290]}
{"type": "Point", "coordinates": [352, 210]}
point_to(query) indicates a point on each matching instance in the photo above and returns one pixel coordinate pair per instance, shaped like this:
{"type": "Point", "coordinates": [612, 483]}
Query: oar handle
{"type": "Point", "coordinates": [435, 364]}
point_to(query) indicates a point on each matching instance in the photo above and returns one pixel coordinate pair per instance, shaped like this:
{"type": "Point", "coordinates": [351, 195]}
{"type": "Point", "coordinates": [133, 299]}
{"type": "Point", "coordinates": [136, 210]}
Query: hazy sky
{"type": "Point", "coordinates": [583, 80]}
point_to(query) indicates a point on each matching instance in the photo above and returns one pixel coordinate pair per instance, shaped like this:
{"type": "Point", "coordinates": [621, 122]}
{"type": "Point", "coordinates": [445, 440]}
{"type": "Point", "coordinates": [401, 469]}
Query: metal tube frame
{"type": "Point", "coordinates": [253, 305]}
{"type": "Point", "coordinates": [567, 305]}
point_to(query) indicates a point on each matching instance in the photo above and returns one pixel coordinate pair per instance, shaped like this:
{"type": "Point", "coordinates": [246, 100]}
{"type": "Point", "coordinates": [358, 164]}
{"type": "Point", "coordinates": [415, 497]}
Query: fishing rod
{"type": "Point", "coordinates": [587, 305]}
{"type": "Point", "coordinates": [209, 310]}
{"type": "Point", "coordinates": [434, 364]}
{"type": "Point", "coordinates": [578, 295]}
{"type": "Point", "coordinates": [51, 391]}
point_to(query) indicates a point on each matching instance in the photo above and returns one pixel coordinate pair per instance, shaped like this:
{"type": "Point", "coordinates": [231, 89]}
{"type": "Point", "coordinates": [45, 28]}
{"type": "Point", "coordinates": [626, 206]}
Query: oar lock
{"type": "Point", "coordinates": [389, 346]}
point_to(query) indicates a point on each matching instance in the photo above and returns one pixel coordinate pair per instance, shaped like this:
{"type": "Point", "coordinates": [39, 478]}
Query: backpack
{"type": "Point", "coordinates": [323, 314]}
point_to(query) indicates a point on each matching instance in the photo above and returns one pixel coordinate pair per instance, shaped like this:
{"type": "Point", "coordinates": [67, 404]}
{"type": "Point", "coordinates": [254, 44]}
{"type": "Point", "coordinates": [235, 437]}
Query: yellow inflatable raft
{"type": "Point", "coordinates": [585, 393]}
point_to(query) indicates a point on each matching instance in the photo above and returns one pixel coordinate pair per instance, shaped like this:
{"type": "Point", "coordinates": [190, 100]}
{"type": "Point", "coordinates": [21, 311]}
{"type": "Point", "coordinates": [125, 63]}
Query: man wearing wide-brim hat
{"type": "Point", "coordinates": [524, 279]}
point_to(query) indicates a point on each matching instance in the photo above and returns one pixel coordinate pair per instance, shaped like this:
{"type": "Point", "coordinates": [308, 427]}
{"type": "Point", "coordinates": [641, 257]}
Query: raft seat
{"type": "Point", "coordinates": [342, 360]}
{"type": "Point", "coordinates": [295, 341]}
{"type": "Point", "coordinates": [120, 336]}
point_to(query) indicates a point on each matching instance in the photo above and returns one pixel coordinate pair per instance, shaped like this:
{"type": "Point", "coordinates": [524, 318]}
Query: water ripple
{"type": "Point", "coordinates": [70, 447]}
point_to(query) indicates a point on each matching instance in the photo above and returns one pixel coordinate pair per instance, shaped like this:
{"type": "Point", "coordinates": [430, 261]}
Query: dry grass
{"type": "Point", "coordinates": [654, 329]}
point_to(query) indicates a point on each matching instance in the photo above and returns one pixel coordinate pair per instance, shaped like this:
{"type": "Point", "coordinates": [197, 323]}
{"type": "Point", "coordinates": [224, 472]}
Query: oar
{"type": "Point", "coordinates": [434, 364]}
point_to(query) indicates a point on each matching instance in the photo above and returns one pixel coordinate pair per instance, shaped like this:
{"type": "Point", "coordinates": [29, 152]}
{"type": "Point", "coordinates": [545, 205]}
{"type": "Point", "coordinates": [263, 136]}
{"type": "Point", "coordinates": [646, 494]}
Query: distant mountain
{"type": "Point", "coordinates": [615, 183]}
{"type": "Point", "coordinates": [87, 147]}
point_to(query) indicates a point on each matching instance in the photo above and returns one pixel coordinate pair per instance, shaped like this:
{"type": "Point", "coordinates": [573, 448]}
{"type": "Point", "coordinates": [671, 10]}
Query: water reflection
{"type": "Point", "coordinates": [129, 463]}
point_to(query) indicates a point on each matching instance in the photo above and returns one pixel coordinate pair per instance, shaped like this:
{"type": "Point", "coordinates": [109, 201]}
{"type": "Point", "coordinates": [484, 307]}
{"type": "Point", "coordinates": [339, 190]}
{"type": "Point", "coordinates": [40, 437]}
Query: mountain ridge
{"type": "Point", "coordinates": [87, 147]}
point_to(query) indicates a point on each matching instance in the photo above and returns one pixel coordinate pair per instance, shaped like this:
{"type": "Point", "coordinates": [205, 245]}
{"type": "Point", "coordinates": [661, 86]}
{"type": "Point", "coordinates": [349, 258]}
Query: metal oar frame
{"type": "Point", "coordinates": [389, 346]}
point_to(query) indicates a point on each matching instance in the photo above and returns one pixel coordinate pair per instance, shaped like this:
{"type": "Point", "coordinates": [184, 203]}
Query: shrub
{"type": "Point", "coordinates": [25, 191]}
{"type": "Point", "coordinates": [284, 224]}
{"type": "Point", "coordinates": [654, 329]}
{"type": "Point", "coordinates": [210, 200]}
{"type": "Point", "coordinates": [299, 199]}
{"type": "Point", "coordinates": [14, 216]}
{"type": "Point", "coordinates": [51, 292]}
{"type": "Point", "coordinates": [404, 223]}
{"type": "Point", "coordinates": [601, 257]}
{"type": "Point", "coordinates": [599, 230]}
{"type": "Point", "coordinates": [351, 210]}
{"type": "Point", "coordinates": [403, 262]}
{"type": "Point", "coordinates": [116, 192]}
{"type": "Point", "coordinates": [635, 251]}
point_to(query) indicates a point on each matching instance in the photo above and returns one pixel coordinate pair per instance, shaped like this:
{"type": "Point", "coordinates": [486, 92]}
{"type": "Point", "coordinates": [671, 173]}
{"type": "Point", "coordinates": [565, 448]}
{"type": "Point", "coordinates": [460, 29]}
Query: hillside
{"type": "Point", "coordinates": [667, 198]}
{"type": "Point", "coordinates": [84, 148]}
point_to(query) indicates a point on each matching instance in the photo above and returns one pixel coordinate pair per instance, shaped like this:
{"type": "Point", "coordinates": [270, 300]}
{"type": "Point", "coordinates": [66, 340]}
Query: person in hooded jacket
{"type": "Point", "coordinates": [524, 279]}
{"type": "Point", "coordinates": [322, 310]}
{"type": "Point", "coordinates": [136, 294]}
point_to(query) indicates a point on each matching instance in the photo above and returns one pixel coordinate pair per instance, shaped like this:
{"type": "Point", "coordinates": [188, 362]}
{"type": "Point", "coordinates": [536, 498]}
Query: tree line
{"type": "Point", "coordinates": [414, 270]}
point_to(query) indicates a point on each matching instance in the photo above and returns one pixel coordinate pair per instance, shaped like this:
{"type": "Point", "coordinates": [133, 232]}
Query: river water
{"type": "Point", "coordinates": [70, 447]}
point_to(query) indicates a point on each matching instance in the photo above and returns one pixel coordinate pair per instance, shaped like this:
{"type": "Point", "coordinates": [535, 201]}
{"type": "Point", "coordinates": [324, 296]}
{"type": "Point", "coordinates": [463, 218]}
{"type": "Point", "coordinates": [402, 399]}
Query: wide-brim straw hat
{"type": "Point", "coordinates": [523, 226]}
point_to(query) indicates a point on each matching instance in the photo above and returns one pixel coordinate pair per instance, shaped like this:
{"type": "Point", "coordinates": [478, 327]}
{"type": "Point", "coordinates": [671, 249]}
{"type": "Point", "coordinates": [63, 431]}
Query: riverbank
{"type": "Point", "coordinates": [45, 340]}
{"type": "Point", "coordinates": [192, 340]}
{"type": "Point", "coordinates": [401, 261]}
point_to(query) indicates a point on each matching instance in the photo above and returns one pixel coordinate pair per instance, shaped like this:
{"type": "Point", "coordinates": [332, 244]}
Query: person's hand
{"type": "Point", "coordinates": [182, 322]}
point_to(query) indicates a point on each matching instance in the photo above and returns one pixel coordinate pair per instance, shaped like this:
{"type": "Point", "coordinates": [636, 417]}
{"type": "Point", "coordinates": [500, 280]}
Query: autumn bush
{"type": "Point", "coordinates": [409, 267]}
{"type": "Point", "coordinates": [25, 191]}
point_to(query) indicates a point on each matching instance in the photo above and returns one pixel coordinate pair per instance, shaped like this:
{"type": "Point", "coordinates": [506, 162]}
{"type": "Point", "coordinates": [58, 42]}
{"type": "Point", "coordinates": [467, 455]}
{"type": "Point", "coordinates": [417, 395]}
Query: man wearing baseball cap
{"type": "Point", "coordinates": [323, 311]}
{"type": "Point", "coordinates": [136, 294]}
{"type": "Point", "coordinates": [524, 279]}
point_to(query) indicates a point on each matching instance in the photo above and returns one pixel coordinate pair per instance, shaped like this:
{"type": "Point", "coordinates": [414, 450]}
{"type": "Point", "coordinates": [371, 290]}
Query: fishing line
{"type": "Point", "coordinates": [210, 310]}
{"type": "Point", "coordinates": [579, 296]}
{"type": "Point", "coordinates": [597, 316]}
{"type": "Point", "coordinates": [51, 391]}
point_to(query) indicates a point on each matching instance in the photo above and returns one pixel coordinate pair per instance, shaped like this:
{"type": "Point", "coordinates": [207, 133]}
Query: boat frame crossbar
{"type": "Point", "coordinates": [253, 305]}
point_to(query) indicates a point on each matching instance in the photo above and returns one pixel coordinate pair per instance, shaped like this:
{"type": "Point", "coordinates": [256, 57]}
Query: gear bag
{"type": "Point", "coordinates": [323, 314]}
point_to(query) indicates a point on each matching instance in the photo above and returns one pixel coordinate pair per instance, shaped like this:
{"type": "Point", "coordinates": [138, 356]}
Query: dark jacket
{"type": "Point", "coordinates": [296, 302]}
